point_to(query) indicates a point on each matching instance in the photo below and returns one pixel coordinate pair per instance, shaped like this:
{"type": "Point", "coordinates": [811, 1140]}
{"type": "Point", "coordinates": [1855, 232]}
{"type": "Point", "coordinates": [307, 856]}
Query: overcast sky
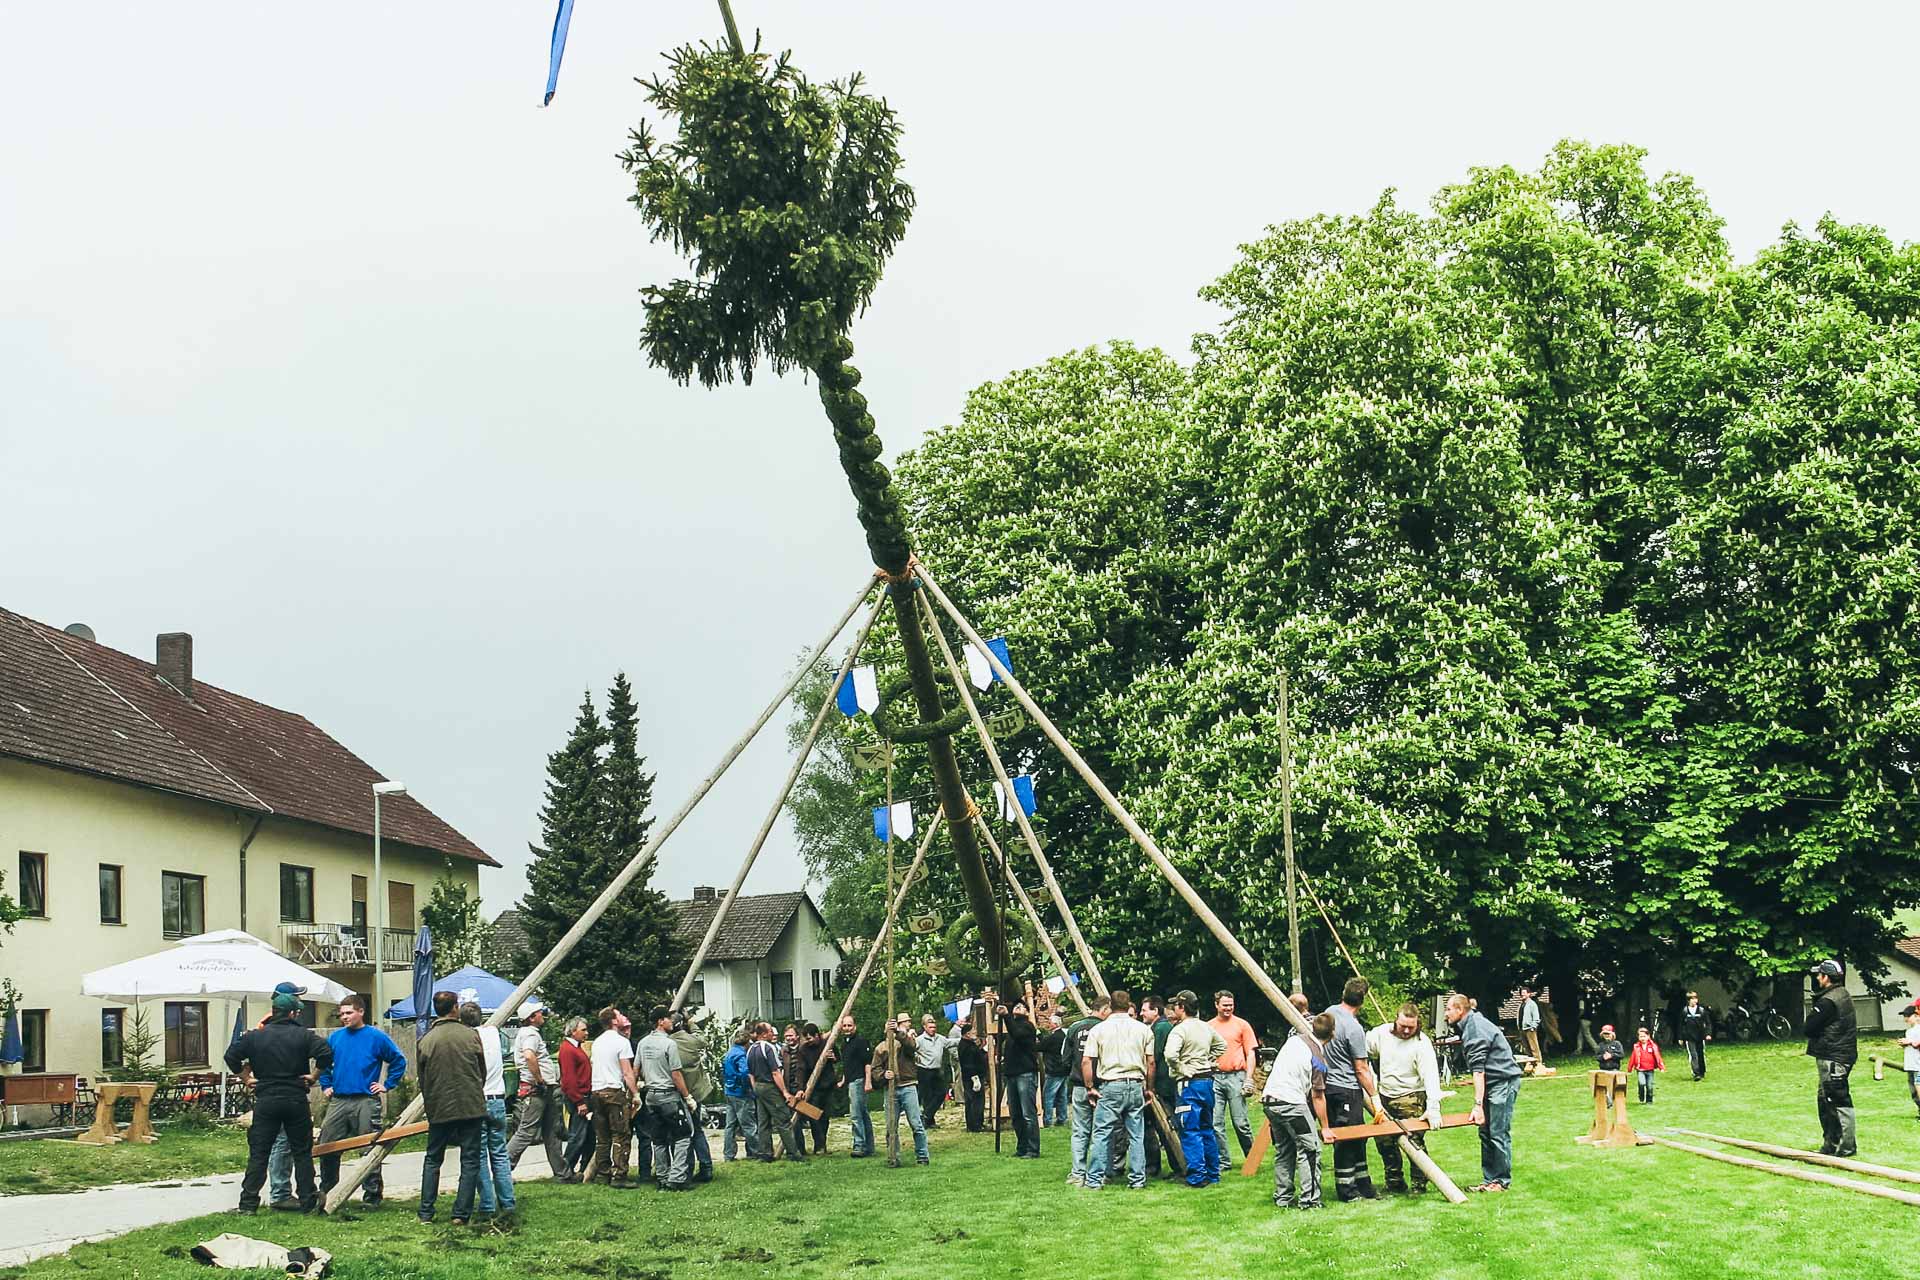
{"type": "Point", "coordinates": [318, 337]}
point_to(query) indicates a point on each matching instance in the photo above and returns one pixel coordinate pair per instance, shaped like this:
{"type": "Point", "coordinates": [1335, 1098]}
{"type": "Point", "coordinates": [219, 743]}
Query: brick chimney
{"type": "Point", "coordinates": [173, 654]}
{"type": "Point", "coordinates": [705, 893]}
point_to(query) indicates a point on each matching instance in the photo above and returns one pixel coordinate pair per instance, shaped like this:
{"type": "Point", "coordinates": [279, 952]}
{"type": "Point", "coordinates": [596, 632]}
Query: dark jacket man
{"type": "Point", "coordinates": [453, 1090]}
{"type": "Point", "coordinates": [278, 1054]}
{"type": "Point", "coordinates": [1834, 1046]}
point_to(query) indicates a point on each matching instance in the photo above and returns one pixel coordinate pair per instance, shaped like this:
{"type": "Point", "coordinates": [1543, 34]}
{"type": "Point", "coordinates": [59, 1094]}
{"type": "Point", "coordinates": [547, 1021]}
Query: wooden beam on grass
{"type": "Point", "coordinates": [391, 1136]}
{"type": "Point", "coordinates": [1802, 1175]}
{"type": "Point", "coordinates": [1811, 1157]}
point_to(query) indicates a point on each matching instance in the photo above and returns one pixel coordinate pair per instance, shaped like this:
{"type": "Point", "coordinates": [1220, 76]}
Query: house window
{"type": "Point", "coordinates": [186, 1034]}
{"type": "Point", "coordinates": [359, 921]}
{"type": "Point", "coordinates": [183, 904]}
{"type": "Point", "coordinates": [33, 884]}
{"type": "Point", "coordinates": [113, 1041]}
{"type": "Point", "coordinates": [109, 894]}
{"type": "Point", "coordinates": [697, 993]}
{"type": "Point", "coordinates": [33, 1039]}
{"type": "Point", "coordinates": [296, 894]}
{"type": "Point", "coordinates": [400, 906]}
{"type": "Point", "coordinates": [822, 983]}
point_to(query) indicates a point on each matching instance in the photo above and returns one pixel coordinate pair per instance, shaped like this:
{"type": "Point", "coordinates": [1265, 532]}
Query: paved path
{"type": "Point", "coordinates": [37, 1226]}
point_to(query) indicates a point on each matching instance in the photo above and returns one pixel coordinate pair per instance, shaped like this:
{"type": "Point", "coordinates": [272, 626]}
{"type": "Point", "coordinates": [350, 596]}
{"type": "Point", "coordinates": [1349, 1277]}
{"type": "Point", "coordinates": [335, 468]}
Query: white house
{"type": "Point", "coordinates": [774, 958]}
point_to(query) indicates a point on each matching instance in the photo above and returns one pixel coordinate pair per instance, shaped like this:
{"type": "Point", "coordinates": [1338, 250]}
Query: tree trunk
{"type": "Point", "coordinates": [886, 530]}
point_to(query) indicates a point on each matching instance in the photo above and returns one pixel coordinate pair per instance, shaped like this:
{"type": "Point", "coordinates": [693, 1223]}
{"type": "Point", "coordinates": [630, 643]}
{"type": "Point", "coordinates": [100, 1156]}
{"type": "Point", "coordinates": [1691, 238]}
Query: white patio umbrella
{"type": "Point", "coordinates": [227, 964]}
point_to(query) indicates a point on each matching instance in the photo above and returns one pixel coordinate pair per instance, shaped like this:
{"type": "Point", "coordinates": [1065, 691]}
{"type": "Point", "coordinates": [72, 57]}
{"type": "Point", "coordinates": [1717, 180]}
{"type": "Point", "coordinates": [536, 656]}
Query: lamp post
{"type": "Point", "coordinates": [379, 890]}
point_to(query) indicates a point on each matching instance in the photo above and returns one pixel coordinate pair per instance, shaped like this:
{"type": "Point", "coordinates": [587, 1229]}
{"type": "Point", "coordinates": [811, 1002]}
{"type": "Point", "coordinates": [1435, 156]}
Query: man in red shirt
{"type": "Point", "coordinates": [576, 1083]}
{"type": "Point", "coordinates": [1232, 1074]}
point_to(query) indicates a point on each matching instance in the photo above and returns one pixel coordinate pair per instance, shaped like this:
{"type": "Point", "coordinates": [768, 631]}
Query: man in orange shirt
{"type": "Point", "coordinates": [1232, 1074]}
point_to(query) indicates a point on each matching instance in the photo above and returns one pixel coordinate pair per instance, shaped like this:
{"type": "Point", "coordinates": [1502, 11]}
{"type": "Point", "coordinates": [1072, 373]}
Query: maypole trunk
{"type": "Point", "coordinates": [886, 530]}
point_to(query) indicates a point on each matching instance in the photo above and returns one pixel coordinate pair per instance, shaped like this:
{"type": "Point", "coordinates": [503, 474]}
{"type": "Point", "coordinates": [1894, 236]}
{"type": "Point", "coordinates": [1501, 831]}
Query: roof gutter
{"type": "Point", "coordinates": [243, 868]}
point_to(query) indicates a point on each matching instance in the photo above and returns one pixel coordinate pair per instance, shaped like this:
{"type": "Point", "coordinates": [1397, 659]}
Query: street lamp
{"type": "Point", "coordinates": [379, 948]}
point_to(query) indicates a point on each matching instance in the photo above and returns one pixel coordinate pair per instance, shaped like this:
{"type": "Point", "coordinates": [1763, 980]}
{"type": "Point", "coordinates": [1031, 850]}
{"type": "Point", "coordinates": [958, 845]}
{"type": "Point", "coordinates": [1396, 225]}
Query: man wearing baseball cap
{"type": "Point", "coordinates": [278, 1054]}
{"type": "Point", "coordinates": [1834, 1045]}
{"type": "Point", "coordinates": [541, 1105]}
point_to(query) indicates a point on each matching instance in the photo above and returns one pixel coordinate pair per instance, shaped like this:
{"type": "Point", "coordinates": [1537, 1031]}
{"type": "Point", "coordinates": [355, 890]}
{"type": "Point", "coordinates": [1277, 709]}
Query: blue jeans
{"type": "Point", "coordinates": [280, 1171]}
{"type": "Point", "coordinates": [702, 1153]}
{"type": "Point", "coordinates": [496, 1171]}
{"type": "Point", "coordinates": [740, 1127]}
{"type": "Point", "coordinates": [1026, 1119]}
{"type": "Point", "coordinates": [1053, 1101]}
{"type": "Point", "coordinates": [1199, 1140]}
{"type": "Point", "coordinates": [464, 1134]}
{"type": "Point", "coordinates": [1496, 1136]}
{"type": "Point", "coordinates": [1122, 1102]}
{"type": "Point", "coordinates": [1081, 1112]}
{"type": "Point", "coordinates": [907, 1103]}
{"type": "Point", "coordinates": [858, 1117]}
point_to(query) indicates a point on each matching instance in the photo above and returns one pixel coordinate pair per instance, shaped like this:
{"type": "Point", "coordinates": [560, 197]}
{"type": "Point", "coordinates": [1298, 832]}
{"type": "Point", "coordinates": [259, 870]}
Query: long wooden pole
{"type": "Point", "coordinates": [1286, 835]}
{"type": "Point", "coordinates": [733, 32]}
{"type": "Point", "coordinates": [1241, 956]}
{"type": "Point", "coordinates": [827, 707]}
{"type": "Point", "coordinates": [866, 966]}
{"type": "Point", "coordinates": [364, 1167]}
{"type": "Point", "coordinates": [1811, 1157]}
{"type": "Point", "coordinates": [1033, 916]}
{"type": "Point", "coordinates": [1060, 904]}
{"type": "Point", "coordinates": [1804, 1175]}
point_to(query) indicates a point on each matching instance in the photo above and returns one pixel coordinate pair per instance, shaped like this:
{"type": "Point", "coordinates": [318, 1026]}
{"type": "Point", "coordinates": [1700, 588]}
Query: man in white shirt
{"type": "Point", "coordinates": [1295, 1099]}
{"type": "Point", "coordinates": [1910, 1046]}
{"type": "Point", "coordinates": [1409, 1080]}
{"type": "Point", "coordinates": [1115, 1065]}
{"type": "Point", "coordinates": [541, 1105]}
{"type": "Point", "coordinates": [496, 1172]}
{"type": "Point", "coordinates": [613, 1088]}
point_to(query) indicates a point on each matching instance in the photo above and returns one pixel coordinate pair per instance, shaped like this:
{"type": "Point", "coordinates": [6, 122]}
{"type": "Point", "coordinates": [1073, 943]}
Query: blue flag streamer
{"type": "Point", "coordinates": [561, 19]}
{"type": "Point", "coordinates": [1023, 790]}
{"type": "Point", "coordinates": [999, 646]}
{"type": "Point", "coordinates": [846, 698]}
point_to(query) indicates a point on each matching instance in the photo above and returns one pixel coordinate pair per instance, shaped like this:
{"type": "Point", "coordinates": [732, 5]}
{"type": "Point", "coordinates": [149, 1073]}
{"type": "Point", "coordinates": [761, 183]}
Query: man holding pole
{"type": "Point", "coordinates": [1409, 1088]}
{"type": "Point", "coordinates": [1193, 1047]}
{"type": "Point", "coordinates": [894, 1060]}
{"type": "Point", "coordinates": [1349, 1085]}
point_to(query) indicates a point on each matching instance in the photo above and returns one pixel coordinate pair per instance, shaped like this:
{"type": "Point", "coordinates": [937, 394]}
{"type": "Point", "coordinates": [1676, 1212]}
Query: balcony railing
{"type": "Point", "coordinates": [345, 946]}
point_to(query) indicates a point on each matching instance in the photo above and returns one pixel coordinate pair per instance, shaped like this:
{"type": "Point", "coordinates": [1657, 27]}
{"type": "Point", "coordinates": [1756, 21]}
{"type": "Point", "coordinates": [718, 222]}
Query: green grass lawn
{"type": "Point", "coordinates": [1645, 1212]}
{"type": "Point", "coordinates": [33, 1166]}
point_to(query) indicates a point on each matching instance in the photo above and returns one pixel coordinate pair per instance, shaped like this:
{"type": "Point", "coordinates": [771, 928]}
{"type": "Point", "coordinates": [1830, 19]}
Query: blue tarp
{"type": "Point", "coordinates": [491, 990]}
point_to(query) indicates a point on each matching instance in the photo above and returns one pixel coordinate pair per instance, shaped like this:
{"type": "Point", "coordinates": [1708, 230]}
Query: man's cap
{"type": "Point", "coordinates": [289, 989]}
{"type": "Point", "coordinates": [531, 1006]}
{"type": "Point", "coordinates": [1607, 1030]}
{"type": "Point", "coordinates": [285, 1002]}
{"type": "Point", "coordinates": [1831, 968]}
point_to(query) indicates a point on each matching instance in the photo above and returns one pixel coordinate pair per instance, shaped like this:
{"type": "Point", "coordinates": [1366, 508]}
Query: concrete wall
{"type": "Point", "coordinates": [80, 822]}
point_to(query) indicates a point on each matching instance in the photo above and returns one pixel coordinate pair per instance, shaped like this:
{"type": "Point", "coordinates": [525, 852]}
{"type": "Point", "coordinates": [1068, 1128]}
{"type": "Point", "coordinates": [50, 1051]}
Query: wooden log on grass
{"type": "Point", "coordinates": [1217, 927]}
{"type": "Point", "coordinates": [353, 1177]}
{"type": "Point", "coordinates": [1811, 1157]}
{"type": "Point", "coordinates": [391, 1136]}
{"type": "Point", "coordinates": [1802, 1175]}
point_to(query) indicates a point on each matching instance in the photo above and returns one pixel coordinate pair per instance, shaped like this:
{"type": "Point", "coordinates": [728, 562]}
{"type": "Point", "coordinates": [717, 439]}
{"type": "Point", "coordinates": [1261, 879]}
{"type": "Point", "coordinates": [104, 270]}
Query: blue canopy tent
{"type": "Point", "coordinates": [491, 991]}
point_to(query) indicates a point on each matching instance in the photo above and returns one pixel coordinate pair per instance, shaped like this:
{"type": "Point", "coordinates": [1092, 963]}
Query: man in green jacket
{"type": "Point", "coordinates": [693, 1070]}
{"type": "Point", "coordinates": [453, 1077]}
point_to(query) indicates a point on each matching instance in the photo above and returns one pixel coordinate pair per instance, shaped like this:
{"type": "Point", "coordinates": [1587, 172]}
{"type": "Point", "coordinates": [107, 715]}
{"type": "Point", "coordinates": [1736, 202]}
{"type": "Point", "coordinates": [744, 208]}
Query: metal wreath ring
{"type": "Point", "coordinates": [946, 726]}
{"type": "Point", "coordinates": [1019, 956]}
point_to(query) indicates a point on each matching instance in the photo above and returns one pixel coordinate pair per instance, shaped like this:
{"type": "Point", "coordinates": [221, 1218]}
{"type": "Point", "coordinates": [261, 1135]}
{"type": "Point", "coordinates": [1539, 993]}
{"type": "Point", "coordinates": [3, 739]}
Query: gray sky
{"type": "Point", "coordinates": [318, 338]}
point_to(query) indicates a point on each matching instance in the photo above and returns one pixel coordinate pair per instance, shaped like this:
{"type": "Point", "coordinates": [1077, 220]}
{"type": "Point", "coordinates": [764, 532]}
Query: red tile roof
{"type": "Point", "coordinates": [79, 705]}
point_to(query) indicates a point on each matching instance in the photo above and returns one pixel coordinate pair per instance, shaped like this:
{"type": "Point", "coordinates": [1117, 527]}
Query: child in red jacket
{"type": "Point", "coordinates": [1645, 1059]}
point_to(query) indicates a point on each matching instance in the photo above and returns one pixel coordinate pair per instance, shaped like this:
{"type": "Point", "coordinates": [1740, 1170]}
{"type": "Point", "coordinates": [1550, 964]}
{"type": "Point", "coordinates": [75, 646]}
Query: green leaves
{"type": "Point", "coordinates": [786, 197]}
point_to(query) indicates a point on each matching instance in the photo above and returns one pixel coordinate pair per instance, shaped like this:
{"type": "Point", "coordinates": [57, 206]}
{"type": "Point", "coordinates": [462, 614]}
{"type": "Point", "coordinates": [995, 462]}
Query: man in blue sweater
{"type": "Point", "coordinates": [353, 1087]}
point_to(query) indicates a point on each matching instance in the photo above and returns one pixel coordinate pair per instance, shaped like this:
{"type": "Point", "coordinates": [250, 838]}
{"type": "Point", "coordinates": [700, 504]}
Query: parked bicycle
{"type": "Point", "coordinates": [1743, 1023]}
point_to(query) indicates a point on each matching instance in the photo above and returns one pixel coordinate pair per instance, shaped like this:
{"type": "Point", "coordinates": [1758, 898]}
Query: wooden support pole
{"type": "Point", "coordinates": [1080, 946]}
{"type": "Point", "coordinates": [1286, 836]}
{"type": "Point", "coordinates": [827, 707]}
{"type": "Point", "coordinates": [805, 1105]}
{"type": "Point", "coordinates": [344, 1189]}
{"type": "Point", "coordinates": [391, 1136]}
{"type": "Point", "coordinates": [1033, 916]}
{"type": "Point", "coordinates": [1241, 956]}
{"type": "Point", "coordinates": [1803, 1175]}
{"type": "Point", "coordinates": [1811, 1157]}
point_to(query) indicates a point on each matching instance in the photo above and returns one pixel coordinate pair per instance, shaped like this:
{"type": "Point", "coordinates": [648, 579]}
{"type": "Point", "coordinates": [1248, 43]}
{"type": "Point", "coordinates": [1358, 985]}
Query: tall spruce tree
{"type": "Point", "coordinates": [595, 819]}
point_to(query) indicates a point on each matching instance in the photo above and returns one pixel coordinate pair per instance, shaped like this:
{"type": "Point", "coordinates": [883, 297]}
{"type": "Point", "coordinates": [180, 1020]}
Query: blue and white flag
{"type": "Point", "coordinates": [1022, 791]}
{"type": "Point", "coordinates": [898, 825]}
{"type": "Point", "coordinates": [561, 20]}
{"type": "Point", "coordinates": [860, 691]}
{"type": "Point", "coordinates": [1056, 984]}
{"type": "Point", "coordinates": [958, 1010]}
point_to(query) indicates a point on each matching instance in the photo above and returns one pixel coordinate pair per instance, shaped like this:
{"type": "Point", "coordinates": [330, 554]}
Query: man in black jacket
{"type": "Point", "coordinates": [1693, 1027]}
{"type": "Point", "coordinates": [1020, 1071]}
{"type": "Point", "coordinates": [1834, 1047]}
{"type": "Point", "coordinates": [278, 1054]}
